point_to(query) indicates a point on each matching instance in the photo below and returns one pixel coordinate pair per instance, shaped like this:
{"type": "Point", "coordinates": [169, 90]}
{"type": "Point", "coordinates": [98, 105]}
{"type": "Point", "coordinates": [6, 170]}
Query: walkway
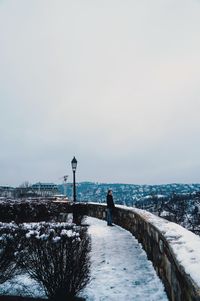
{"type": "Point", "coordinates": [120, 270]}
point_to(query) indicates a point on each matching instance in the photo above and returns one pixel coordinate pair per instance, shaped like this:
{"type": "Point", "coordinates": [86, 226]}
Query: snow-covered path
{"type": "Point", "coordinates": [120, 269]}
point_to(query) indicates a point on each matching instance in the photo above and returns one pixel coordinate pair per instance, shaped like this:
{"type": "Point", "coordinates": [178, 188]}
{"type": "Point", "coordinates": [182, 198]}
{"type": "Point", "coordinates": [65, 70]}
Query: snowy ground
{"type": "Point", "coordinates": [184, 244]}
{"type": "Point", "coordinates": [119, 271]}
{"type": "Point", "coordinates": [22, 285]}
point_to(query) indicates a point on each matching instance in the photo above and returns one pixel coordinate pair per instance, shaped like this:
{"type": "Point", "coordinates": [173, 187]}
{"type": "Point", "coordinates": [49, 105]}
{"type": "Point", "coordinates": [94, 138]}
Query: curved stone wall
{"type": "Point", "coordinates": [162, 241]}
{"type": "Point", "coordinates": [174, 251]}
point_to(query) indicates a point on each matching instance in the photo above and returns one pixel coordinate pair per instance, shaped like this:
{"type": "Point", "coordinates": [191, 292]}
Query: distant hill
{"type": "Point", "coordinates": [179, 203]}
{"type": "Point", "coordinates": [127, 194]}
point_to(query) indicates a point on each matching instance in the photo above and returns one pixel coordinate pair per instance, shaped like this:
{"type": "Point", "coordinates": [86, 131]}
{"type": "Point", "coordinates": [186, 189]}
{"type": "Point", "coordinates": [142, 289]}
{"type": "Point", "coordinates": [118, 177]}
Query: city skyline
{"type": "Point", "coordinates": [114, 83]}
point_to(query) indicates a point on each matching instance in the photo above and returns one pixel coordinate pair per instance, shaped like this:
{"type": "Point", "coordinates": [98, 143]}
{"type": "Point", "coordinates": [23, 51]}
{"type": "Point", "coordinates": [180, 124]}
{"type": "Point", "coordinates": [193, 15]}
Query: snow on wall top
{"type": "Point", "coordinates": [184, 244]}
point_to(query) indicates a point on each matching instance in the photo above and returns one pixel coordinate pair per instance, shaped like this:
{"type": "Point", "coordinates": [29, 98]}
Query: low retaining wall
{"type": "Point", "coordinates": [174, 251]}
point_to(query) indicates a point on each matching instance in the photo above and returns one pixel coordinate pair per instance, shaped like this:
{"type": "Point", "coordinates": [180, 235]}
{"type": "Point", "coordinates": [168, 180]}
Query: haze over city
{"type": "Point", "coordinates": [114, 83]}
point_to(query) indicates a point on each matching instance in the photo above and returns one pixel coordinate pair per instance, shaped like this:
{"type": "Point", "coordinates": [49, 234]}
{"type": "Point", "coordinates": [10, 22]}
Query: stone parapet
{"type": "Point", "coordinates": [160, 245]}
{"type": "Point", "coordinates": [173, 250]}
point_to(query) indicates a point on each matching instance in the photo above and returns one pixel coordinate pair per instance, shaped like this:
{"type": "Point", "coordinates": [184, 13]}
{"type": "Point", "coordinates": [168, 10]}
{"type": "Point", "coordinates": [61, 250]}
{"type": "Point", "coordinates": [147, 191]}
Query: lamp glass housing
{"type": "Point", "coordinates": [74, 164]}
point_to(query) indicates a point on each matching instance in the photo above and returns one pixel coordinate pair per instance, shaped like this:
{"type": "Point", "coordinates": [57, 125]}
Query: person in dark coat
{"type": "Point", "coordinates": [110, 207]}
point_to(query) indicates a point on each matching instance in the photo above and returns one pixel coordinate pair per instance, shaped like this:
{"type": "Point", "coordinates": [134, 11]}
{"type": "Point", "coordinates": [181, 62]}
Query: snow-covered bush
{"type": "Point", "coordinates": [54, 254]}
{"type": "Point", "coordinates": [58, 257]}
{"type": "Point", "coordinates": [9, 242]}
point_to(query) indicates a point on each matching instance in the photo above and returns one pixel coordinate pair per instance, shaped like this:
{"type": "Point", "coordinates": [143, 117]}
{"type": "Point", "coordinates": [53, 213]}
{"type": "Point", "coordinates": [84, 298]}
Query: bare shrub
{"type": "Point", "coordinates": [9, 240]}
{"type": "Point", "coordinates": [57, 256]}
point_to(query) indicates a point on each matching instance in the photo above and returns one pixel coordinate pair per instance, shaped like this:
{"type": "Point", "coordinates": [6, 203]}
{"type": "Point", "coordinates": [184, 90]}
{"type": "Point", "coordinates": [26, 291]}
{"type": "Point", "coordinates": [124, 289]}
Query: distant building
{"type": "Point", "coordinates": [6, 192]}
{"type": "Point", "coordinates": [45, 189]}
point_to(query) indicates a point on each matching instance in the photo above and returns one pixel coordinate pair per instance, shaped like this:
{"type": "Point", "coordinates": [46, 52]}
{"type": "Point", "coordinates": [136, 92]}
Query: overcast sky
{"type": "Point", "coordinates": [115, 83]}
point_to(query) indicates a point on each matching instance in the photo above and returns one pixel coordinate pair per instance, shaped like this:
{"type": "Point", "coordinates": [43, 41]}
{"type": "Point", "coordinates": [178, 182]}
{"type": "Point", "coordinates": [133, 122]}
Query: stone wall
{"type": "Point", "coordinates": [179, 285]}
{"type": "Point", "coordinates": [148, 229]}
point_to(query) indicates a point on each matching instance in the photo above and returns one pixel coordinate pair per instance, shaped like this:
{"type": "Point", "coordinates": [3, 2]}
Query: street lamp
{"type": "Point", "coordinates": [74, 165]}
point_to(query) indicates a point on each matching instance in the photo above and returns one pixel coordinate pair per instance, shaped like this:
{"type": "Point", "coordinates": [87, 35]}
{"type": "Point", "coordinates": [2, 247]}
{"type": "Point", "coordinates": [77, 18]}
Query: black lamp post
{"type": "Point", "coordinates": [74, 165]}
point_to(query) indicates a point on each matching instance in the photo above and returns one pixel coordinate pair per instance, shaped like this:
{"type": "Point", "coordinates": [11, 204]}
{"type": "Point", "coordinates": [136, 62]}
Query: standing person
{"type": "Point", "coordinates": [110, 207]}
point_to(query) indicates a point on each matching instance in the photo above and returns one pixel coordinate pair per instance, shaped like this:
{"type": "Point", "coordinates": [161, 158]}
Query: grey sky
{"type": "Point", "coordinates": [115, 83]}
